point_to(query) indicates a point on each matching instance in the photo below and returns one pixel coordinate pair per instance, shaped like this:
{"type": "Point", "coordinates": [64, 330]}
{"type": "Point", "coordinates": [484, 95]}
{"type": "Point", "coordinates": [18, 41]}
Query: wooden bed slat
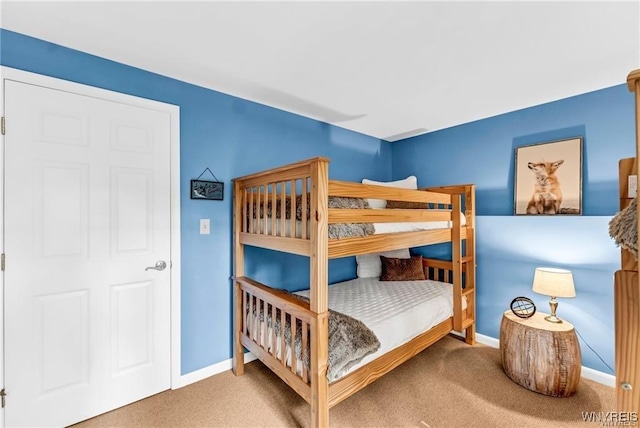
{"type": "Point", "coordinates": [250, 323]}
{"type": "Point", "coordinates": [342, 215]}
{"type": "Point", "coordinates": [274, 196]}
{"type": "Point", "coordinates": [305, 344]}
{"type": "Point", "coordinates": [265, 217]}
{"type": "Point", "coordinates": [272, 331]}
{"type": "Point", "coordinates": [251, 205]}
{"type": "Point", "coordinates": [256, 210]}
{"type": "Point", "coordinates": [294, 208]}
{"type": "Point", "coordinates": [388, 241]}
{"type": "Point", "coordinates": [281, 341]}
{"type": "Point", "coordinates": [293, 174]}
{"type": "Point", "coordinates": [283, 199]}
{"type": "Point", "coordinates": [278, 243]}
{"type": "Point", "coordinates": [262, 324]}
{"type": "Point", "coordinates": [358, 190]}
{"type": "Point", "coordinates": [304, 209]}
{"type": "Point", "coordinates": [244, 312]}
{"type": "Point", "coordinates": [294, 360]}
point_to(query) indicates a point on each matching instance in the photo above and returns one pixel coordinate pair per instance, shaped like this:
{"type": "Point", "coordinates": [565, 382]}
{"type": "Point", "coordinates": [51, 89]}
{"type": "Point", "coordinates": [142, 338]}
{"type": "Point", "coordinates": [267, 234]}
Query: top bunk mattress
{"type": "Point", "coordinates": [396, 311]}
{"type": "Point", "coordinates": [415, 226]}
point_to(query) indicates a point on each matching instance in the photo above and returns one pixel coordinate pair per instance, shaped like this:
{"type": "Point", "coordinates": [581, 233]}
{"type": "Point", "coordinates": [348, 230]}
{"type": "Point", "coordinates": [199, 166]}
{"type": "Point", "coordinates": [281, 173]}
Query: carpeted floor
{"type": "Point", "coordinates": [449, 384]}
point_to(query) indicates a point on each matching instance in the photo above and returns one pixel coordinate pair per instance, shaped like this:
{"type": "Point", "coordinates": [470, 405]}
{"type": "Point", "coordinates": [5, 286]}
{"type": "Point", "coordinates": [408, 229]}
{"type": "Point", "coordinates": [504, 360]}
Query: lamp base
{"type": "Point", "coordinates": [553, 318]}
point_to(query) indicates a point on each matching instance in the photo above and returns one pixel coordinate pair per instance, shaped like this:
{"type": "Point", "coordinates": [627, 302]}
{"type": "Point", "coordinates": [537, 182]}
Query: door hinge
{"type": "Point", "coordinates": [3, 397]}
{"type": "Point", "coordinates": [3, 126]}
{"type": "Point", "coordinates": [2, 262]}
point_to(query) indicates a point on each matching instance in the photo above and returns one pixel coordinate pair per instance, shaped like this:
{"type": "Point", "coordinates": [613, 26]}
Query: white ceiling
{"type": "Point", "coordinates": [386, 69]}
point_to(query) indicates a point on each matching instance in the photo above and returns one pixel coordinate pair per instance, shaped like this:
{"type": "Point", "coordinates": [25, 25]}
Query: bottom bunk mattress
{"type": "Point", "coordinates": [396, 311]}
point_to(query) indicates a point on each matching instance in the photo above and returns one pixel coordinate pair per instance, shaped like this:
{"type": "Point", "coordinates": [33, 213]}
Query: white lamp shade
{"type": "Point", "coordinates": [554, 282]}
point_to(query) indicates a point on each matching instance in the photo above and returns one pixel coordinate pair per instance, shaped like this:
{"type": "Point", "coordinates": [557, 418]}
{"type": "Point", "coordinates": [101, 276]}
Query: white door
{"type": "Point", "coordinates": [87, 209]}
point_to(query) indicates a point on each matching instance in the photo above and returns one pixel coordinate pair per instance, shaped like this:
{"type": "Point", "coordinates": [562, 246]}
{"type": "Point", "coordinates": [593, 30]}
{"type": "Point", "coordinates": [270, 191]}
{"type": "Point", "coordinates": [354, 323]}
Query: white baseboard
{"type": "Point", "coordinates": [209, 371]}
{"type": "Point", "coordinates": [587, 373]}
{"type": "Point", "coordinates": [487, 340]}
{"type": "Point", "coordinates": [600, 377]}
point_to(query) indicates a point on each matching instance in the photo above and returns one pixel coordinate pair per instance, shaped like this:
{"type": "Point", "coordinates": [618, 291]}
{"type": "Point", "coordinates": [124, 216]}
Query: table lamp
{"type": "Point", "coordinates": [555, 283]}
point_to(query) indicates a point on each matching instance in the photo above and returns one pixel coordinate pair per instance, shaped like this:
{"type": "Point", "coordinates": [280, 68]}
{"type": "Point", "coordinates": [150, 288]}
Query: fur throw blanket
{"type": "Point", "coordinates": [335, 231]}
{"type": "Point", "coordinates": [350, 340]}
{"type": "Point", "coordinates": [334, 202]}
{"type": "Point", "coordinates": [623, 228]}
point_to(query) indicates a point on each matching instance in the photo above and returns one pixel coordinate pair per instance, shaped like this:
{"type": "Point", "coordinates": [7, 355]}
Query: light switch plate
{"type": "Point", "coordinates": [633, 186]}
{"type": "Point", "coordinates": [205, 226]}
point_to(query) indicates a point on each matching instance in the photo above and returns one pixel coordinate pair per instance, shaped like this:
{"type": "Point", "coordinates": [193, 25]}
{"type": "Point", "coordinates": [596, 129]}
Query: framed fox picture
{"type": "Point", "coordinates": [548, 178]}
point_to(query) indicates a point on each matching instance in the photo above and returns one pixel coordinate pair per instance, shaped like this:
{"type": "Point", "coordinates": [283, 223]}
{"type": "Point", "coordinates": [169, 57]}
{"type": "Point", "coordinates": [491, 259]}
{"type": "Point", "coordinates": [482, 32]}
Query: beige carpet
{"type": "Point", "coordinates": [450, 384]}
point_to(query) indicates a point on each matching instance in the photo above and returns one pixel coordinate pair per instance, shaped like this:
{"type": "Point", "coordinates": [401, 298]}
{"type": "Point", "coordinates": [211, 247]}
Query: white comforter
{"type": "Point", "coordinates": [396, 311]}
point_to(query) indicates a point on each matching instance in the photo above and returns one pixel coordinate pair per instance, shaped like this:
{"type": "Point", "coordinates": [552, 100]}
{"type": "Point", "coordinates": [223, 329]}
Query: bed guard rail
{"type": "Point", "coordinates": [275, 327]}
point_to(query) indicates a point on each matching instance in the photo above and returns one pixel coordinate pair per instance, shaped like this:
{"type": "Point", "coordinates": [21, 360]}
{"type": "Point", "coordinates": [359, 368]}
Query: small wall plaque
{"type": "Point", "coordinates": [211, 190]}
{"type": "Point", "coordinates": [208, 190]}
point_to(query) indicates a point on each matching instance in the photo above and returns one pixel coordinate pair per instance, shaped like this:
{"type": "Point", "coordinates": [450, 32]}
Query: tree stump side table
{"type": "Point", "coordinates": [539, 355]}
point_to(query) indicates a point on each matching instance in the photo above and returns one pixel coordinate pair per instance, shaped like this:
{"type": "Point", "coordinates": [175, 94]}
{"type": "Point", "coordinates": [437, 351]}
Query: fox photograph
{"type": "Point", "coordinates": [548, 178]}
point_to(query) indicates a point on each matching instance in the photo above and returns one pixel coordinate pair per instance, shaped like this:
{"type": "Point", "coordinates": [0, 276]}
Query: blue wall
{"type": "Point", "coordinates": [483, 152]}
{"type": "Point", "coordinates": [509, 247]}
{"type": "Point", "coordinates": [232, 137]}
{"type": "Point", "coordinates": [222, 132]}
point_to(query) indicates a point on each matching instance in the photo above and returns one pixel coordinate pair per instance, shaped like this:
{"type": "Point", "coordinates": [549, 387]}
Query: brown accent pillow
{"type": "Point", "coordinates": [404, 205]}
{"type": "Point", "coordinates": [402, 269]}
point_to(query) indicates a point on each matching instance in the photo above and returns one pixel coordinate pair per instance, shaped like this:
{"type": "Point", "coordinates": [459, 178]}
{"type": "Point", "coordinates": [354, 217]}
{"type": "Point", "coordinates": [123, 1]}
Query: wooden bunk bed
{"type": "Point", "coordinates": [284, 186]}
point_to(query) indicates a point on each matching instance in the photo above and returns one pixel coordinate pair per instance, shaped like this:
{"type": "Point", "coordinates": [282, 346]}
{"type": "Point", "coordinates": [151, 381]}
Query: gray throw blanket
{"type": "Point", "coordinates": [335, 231]}
{"type": "Point", "coordinates": [349, 340]}
{"type": "Point", "coordinates": [349, 230]}
{"type": "Point", "coordinates": [623, 228]}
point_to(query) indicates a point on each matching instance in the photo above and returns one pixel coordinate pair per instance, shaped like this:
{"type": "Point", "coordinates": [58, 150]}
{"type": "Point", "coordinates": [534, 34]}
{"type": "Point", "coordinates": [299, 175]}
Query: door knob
{"type": "Point", "coordinates": [160, 265]}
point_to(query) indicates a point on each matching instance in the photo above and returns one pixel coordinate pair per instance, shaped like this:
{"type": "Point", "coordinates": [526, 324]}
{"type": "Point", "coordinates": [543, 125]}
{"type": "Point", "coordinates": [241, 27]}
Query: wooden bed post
{"type": "Point", "coordinates": [470, 251]}
{"type": "Point", "coordinates": [627, 288]}
{"type": "Point", "coordinates": [319, 263]}
{"type": "Point", "coordinates": [238, 271]}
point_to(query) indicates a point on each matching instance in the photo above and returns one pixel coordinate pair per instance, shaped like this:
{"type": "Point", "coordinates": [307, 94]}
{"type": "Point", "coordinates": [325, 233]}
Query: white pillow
{"type": "Point", "coordinates": [411, 182]}
{"type": "Point", "coordinates": [370, 266]}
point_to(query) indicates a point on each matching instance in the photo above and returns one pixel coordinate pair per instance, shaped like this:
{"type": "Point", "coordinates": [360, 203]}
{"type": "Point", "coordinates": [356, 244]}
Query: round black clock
{"type": "Point", "coordinates": [523, 307]}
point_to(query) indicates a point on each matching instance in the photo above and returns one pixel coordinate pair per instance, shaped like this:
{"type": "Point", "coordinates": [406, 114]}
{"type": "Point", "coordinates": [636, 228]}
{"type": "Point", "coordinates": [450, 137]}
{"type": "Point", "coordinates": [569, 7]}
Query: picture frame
{"type": "Point", "coordinates": [207, 190]}
{"type": "Point", "coordinates": [548, 178]}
